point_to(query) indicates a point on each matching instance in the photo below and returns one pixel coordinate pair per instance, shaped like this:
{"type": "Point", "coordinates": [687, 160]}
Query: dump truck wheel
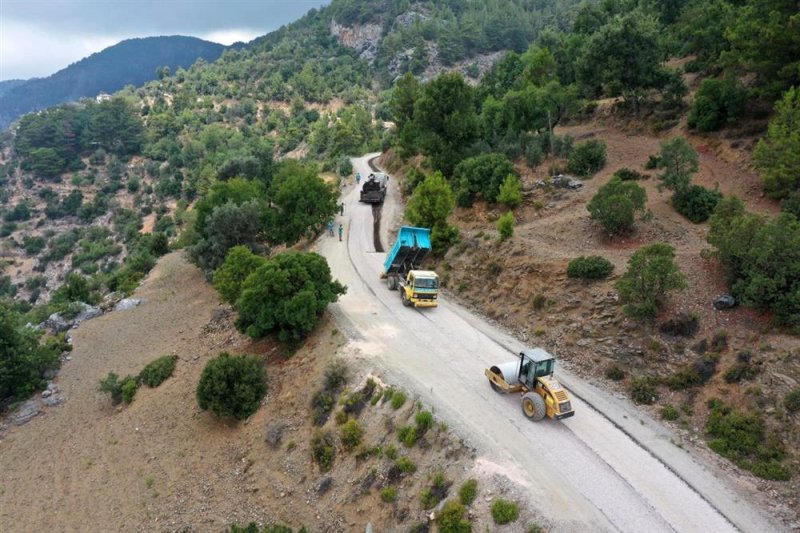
{"type": "Point", "coordinates": [391, 282]}
{"type": "Point", "coordinates": [533, 406]}
{"type": "Point", "coordinates": [406, 301]}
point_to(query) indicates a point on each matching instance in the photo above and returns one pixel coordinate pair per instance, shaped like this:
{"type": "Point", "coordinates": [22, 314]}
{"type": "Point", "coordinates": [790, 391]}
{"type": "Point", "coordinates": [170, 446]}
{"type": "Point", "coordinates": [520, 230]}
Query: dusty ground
{"type": "Point", "coordinates": [161, 464]}
{"type": "Point", "coordinates": [522, 284]}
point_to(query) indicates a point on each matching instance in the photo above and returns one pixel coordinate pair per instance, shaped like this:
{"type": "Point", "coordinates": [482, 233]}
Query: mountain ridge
{"type": "Point", "coordinates": [129, 62]}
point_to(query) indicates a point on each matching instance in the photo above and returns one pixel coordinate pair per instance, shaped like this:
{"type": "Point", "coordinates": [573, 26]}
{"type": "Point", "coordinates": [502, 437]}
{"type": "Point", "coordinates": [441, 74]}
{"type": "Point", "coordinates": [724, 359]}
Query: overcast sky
{"type": "Point", "coordinates": [40, 37]}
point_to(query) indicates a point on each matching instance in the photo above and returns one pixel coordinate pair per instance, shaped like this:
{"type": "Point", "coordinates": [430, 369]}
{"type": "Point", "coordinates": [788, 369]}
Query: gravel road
{"type": "Point", "coordinates": [608, 468]}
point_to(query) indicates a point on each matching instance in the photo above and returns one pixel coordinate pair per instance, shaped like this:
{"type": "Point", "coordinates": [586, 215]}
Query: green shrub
{"type": "Point", "coordinates": [238, 265]}
{"type": "Point", "coordinates": [232, 386]}
{"type": "Point", "coordinates": [791, 204]}
{"type": "Point", "coordinates": [481, 175]}
{"type": "Point", "coordinates": [405, 465]}
{"type": "Point", "coordinates": [388, 494]}
{"type": "Point", "coordinates": [351, 434]}
{"type": "Point", "coordinates": [792, 400]}
{"type": "Point", "coordinates": [341, 417]}
{"type": "Point", "coordinates": [468, 492]}
{"type": "Point", "coordinates": [643, 390]}
{"type": "Point", "coordinates": [716, 103]}
{"type": "Point", "coordinates": [323, 450]}
{"type": "Point", "coordinates": [741, 371]}
{"type": "Point", "coordinates": [424, 421]}
{"type": "Point", "coordinates": [626, 174]}
{"type": "Point", "coordinates": [669, 412]}
{"type": "Point", "coordinates": [407, 435]}
{"type": "Point", "coordinates": [156, 372]}
{"type": "Point", "coordinates": [111, 385]}
{"type": "Point", "coordinates": [504, 511]}
{"type": "Point", "coordinates": [128, 388]}
{"type": "Point", "coordinates": [591, 267]}
{"type": "Point", "coordinates": [742, 438]}
{"type": "Point", "coordinates": [510, 194]}
{"type": "Point", "coordinates": [775, 155]}
{"type": "Point", "coordinates": [587, 158]}
{"type": "Point", "coordinates": [287, 295]}
{"type": "Point", "coordinates": [651, 274]}
{"type": "Point", "coordinates": [684, 378]}
{"type": "Point", "coordinates": [505, 225]}
{"type": "Point", "coordinates": [453, 518]}
{"type": "Point", "coordinates": [614, 372]}
{"type": "Point", "coordinates": [616, 204]}
{"type": "Point", "coordinates": [398, 399]}
{"type": "Point", "coordinates": [427, 498]}
{"type": "Point", "coordinates": [696, 203]}
{"type": "Point", "coordinates": [391, 452]}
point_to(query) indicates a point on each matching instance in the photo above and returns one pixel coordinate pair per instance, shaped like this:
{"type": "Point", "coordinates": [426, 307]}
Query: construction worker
{"type": "Point", "coordinates": [341, 231]}
{"type": "Point", "coordinates": [330, 228]}
{"type": "Point", "coordinates": [341, 209]}
{"type": "Point", "coordinates": [358, 178]}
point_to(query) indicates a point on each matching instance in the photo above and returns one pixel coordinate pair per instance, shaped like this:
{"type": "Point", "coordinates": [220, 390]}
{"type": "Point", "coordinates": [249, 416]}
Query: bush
{"type": "Point", "coordinates": [510, 194]}
{"type": "Point", "coordinates": [776, 153]}
{"type": "Point", "coordinates": [453, 518]}
{"type": "Point", "coordinates": [407, 435]}
{"type": "Point", "coordinates": [791, 204]}
{"type": "Point", "coordinates": [684, 378]}
{"type": "Point", "coordinates": [716, 103]}
{"type": "Point", "coordinates": [616, 204]}
{"type": "Point", "coordinates": [156, 372]}
{"type": "Point", "coordinates": [229, 277]}
{"type": "Point", "coordinates": [405, 465]}
{"type": "Point", "coordinates": [128, 388]}
{"type": "Point", "coordinates": [742, 438]}
{"type": "Point", "coordinates": [591, 267]}
{"type": "Point", "coordinates": [424, 421]}
{"type": "Point", "coordinates": [111, 385]}
{"type": "Point", "coordinates": [286, 294]}
{"type": "Point", "coordinates": [792, 400]}
{"type": "Point", "coordinates": [345, 167]}
{"type": "Point", "coordinates": [587, 158]}
{"type": "Point", "coordinates": [669, 412]}
{"type": "Point", "coordinates": [643, 390]}
{"type": "Point", "coordinates": [398, 399]}
{"type": "Point", "coordinates": [323, 450]}
{"type": "Point", "coordinates": [468, 492]}
{"type": "Point", "coordinates": [742, 371]}
{"type": "Point", "coordinates": [481, 175]}
{"type": "Point", "coordinates": [351, 434]}
{"type": "Point", "coordinates": [614, 372]}
{"type": "Point", "coordinates": [388, 494]}
{"type": "Point", "coordinates": [232, 386]}
{"type": "Point", "coordinates": [696, 203]}
{"type": "Point", "coordinates": [651, 274]}
{"type": "Point", "coordinates": [505, 225]}
{"type": "Point", "coordinates": [626, 174]}
{"type": "Point", "coordinates": [504, 511]}
{"type": "Point", "coordinates": [682, 324]}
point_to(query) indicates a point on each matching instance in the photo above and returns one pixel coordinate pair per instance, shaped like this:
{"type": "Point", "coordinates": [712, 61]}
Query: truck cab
{"type": "Point", "coordinates": [420, 289]}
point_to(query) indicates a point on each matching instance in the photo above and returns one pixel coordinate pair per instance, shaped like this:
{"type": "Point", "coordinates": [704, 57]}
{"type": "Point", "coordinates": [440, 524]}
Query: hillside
{"type": "Point", "coordinates": [130, 62]}
{"type": "Point", "coordinates": [673, 124]}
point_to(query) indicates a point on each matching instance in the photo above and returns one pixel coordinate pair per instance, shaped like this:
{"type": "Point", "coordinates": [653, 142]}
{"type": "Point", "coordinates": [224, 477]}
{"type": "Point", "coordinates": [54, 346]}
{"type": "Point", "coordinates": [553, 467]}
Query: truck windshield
{"type": "Point", "coordinates": [426, 283]}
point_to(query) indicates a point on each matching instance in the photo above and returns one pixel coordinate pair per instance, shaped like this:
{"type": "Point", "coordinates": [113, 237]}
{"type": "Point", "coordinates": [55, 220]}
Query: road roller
{"type": "Point", "coordinates": [532, 376]}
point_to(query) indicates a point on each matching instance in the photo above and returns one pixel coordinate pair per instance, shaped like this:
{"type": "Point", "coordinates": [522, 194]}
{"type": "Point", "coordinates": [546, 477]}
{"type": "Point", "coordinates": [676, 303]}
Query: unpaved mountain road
{"type": "Point", "coordinates": [608, 468]}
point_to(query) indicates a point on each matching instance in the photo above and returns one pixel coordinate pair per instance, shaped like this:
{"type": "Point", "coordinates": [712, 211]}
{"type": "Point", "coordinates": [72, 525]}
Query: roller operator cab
{"type": "Point", "coordinates": [420, 289]}
{"type": "Point", "coordinates": [532, 376]}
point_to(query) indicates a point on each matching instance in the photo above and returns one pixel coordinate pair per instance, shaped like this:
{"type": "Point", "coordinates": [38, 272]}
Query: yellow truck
{"type": "Point", "coordinates": [418, 288]}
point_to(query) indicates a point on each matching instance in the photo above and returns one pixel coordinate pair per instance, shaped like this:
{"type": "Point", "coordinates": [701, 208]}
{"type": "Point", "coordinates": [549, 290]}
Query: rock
{"type": "Point", "coordinates": [57, 323]}
{"type": "Point", "coordinates": [89, 312]}
{"type": "Point", "coordinates": [127, 303]}
{"type": "Point", "coordinates": [565, 182]}
{"type": "Point", "coordinates": [369, 528]}
{"type": "Point", "coordinates": [725, 301]}
{"type": "Point", "coordinates": [52, 400]}
{"type": "Point", "coordinates": [324, 485]}
{"type": "Point", "coordinates": [46, 393]}
{"type": "Point", "coordinates": [274, 434]}
{"type": "Point", "coordinates": [25, 412]}
{"type": "Point", "coordinates": [52, 387]}
{"type": "Point", "coordinates": [583, 343]}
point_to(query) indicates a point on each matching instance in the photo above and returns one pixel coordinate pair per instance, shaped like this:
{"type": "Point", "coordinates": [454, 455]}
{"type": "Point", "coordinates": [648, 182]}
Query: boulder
{"type": "Point", "coordinates": [726, 301]}
{"type": "Point", "coordinates": [57, 323]}
{"type": "Point", "coordinates": [89, 312]}
{"type": "Point", "coordinates": [127, 303]}
{"type": "Point", "coordinates": [26, 412]}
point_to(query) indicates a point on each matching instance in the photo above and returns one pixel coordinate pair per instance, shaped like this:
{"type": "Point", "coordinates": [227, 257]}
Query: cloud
{"type": "Point", "coordinates": [228, 37]}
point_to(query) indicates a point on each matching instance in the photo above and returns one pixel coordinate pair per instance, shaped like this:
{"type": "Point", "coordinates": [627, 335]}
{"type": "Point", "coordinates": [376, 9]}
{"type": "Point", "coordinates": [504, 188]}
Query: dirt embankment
{"type": "Point", "coordinates": [161, 464]}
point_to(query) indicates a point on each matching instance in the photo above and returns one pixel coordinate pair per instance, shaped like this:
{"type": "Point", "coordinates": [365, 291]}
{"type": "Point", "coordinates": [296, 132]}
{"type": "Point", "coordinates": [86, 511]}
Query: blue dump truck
{"type": "Point", "coordinates": [418, 288]}
{"type": "Point", "coordinates": [374, 189]}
